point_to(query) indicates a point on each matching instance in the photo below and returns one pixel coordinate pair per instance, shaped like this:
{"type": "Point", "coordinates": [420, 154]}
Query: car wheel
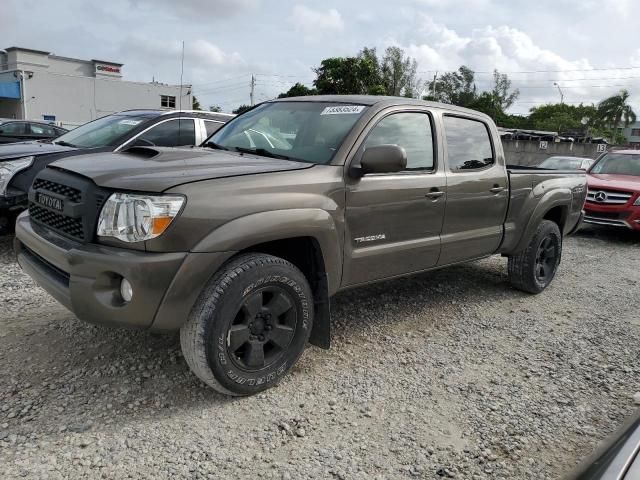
{"type": "Point", "coordinates": [533, 269]}
{"type": "Point", "coordinates": [250, 324]}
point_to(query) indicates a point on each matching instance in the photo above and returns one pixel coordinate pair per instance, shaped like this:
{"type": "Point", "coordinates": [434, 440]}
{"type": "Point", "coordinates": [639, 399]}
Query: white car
{"type": "Point", "coordinates": [567, 163]}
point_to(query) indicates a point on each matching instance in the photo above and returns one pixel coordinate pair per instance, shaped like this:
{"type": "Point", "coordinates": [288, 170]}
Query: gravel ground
{"type": "Point", "coordinates": [451, 374]}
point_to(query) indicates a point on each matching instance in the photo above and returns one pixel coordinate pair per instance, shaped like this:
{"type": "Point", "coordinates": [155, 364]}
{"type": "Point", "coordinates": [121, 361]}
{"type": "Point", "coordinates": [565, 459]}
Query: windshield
{"type": "Point", "coordinates": [102, 132]}
{"type": "Point", "coordinates": [306, 131]}
{"type": "Point", "coordinates": [618, 164]}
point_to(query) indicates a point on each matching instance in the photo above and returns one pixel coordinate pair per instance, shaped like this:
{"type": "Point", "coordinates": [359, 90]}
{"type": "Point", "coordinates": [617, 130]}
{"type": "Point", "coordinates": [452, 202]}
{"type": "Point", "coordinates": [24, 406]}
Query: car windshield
{"type": "Point", "coordinates": [103, 132]}
{"type": "Point", "coordinates": [307, 131]}
{"type": "Point", "coordinates": [618, 164]}
{"type": "Point", "coordinates": [558, 163]}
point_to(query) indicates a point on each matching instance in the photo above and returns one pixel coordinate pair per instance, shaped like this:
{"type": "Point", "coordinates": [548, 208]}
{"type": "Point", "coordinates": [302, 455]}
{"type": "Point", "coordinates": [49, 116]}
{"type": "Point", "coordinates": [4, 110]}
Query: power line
{"type": "Point", "coordinates": [543, 71]}
{"type": "Point", "coordinates": [221, 80]}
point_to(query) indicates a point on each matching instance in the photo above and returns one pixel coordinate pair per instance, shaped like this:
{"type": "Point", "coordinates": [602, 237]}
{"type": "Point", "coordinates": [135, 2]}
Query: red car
{"type": "Point", "coordinates": [613, 197]}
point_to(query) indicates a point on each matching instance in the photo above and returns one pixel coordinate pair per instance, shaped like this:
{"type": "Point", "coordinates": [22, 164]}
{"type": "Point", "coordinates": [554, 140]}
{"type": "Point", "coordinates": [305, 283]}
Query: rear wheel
{"type": "Point", "coordinates": [250, 325]}
{"type": "Point", "coordinates": [533, 269]}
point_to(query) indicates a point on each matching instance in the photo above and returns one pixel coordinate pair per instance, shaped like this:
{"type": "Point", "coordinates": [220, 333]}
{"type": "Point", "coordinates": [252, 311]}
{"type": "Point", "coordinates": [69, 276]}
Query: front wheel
{"type": "Point", "coordinates": [250, 324]}
{"type": "Point", "coordinates": [533, 269]}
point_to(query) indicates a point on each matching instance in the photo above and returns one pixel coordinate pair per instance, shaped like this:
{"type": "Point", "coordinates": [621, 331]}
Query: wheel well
{"type": "Point", "coordinates": [558, 215]}
{"type": "Point", "coordinates": [303, 252]}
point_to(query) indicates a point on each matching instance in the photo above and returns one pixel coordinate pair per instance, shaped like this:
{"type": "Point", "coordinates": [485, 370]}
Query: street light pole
{"type": "Point", "coordinates": [561, 94]}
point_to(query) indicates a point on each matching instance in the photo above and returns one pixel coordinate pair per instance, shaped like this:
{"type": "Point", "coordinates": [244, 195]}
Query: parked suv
{"type": "Point", "coordinates": [241, 246]}
{"type": "Point", "coordinates": [614, 190]}
{"type": "Point", "coordinates": [20, 162]}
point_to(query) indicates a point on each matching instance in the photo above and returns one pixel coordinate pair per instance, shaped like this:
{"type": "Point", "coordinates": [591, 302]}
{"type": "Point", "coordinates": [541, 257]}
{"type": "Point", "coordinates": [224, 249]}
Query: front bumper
{"type": "Point", "coordinates": [85, 278]}
{"type": "Point", "coordinates": [614, 216]}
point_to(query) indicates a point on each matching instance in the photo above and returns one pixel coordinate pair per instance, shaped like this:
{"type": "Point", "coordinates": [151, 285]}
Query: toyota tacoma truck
{"type": "Point", "coordinates": [241, 244]}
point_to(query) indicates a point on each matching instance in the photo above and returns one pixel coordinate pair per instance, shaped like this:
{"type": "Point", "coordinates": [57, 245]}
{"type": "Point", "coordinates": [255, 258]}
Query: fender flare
{"type": "Point", "coordinates": [245, 232]}
{"type": "Point", "coordinates": [554, 198]}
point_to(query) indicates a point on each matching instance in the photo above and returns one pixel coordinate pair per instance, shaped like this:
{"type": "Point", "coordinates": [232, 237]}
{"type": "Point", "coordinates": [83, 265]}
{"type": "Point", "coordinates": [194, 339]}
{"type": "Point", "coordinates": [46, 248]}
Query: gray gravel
{"type": "Point", "coordinates": [447, 375]}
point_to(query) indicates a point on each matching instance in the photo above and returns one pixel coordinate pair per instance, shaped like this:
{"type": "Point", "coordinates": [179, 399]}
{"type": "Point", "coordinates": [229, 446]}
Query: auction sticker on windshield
{"type": "Point", "coordinates": [342, 109]}
{"type": "Point", "coordinates": [130, 122]}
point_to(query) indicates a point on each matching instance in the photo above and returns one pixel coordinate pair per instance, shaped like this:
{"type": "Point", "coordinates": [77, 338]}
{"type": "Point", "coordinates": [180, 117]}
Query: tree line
{"type": "Point", "coordinates": [395, 73]}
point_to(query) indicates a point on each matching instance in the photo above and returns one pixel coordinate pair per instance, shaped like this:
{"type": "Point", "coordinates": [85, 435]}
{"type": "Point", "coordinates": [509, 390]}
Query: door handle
{"type": "Point", "coordinates": [434, 194]}
{"type": "Point", "coordinates": [497, 189]}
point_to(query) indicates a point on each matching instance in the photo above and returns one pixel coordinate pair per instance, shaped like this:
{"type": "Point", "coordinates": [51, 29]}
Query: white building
{"type": "Point", "coordinates": [38, 85]}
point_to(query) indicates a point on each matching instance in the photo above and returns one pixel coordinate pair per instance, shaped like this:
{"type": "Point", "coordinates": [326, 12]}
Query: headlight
{"type": "Point", "coordinates": [135, 218]}
{"type": "Point", "coordinates": [637, 202]}
{"type": "Point", "coordinates": [9, 168]}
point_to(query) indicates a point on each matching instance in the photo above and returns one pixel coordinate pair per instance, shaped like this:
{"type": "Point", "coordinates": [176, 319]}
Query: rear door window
{"type": "Point", "coordinates": [172, 133]}
{"type": "Point", "coordinates": [44, 130]}
{"type": "Point", "coordinates": [468, 144]}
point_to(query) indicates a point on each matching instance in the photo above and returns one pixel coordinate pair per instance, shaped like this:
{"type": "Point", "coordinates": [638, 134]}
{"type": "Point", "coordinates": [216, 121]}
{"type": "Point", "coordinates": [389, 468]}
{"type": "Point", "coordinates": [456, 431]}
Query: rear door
{"type": "Point", "coordinates": [477, 190]}
{"type": "Point", "coordinates": [393, 221]}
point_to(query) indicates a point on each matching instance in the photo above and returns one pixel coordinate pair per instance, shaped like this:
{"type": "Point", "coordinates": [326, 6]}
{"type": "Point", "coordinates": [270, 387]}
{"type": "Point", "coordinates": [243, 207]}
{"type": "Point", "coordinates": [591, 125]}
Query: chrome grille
{"type": "Point", "coordinates": [608, 196]}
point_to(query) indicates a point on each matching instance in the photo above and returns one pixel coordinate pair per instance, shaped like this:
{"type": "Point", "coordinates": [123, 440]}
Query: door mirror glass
{"type": "Point", "coordinates": [383, 159]}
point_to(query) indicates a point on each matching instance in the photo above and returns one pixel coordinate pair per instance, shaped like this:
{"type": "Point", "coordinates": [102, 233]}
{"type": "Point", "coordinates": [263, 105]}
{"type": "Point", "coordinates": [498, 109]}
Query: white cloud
{"type": "Point", "coordinates": [314, 23]}
{"type": "Point", "coordinates": [200, 9]}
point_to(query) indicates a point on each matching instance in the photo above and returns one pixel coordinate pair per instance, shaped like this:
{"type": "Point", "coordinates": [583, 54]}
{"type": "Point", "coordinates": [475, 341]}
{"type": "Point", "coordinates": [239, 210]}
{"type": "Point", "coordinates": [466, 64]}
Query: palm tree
{"type": "Point", "coordinates": [614, 110]}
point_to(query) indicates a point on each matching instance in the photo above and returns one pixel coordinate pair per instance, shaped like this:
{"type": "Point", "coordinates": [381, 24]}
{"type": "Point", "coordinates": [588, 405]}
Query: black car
{"type": "Point", "coordinates": [20, 162]}
{"type": "Point", "coordinates": [20, 131]}
{"type": "Point", "coordinates": [618, 458]}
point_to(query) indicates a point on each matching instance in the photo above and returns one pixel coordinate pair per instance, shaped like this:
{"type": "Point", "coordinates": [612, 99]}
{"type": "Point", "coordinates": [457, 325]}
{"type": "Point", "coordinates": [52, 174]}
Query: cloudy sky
{"type": "Point", "coordinates": [591, 48]}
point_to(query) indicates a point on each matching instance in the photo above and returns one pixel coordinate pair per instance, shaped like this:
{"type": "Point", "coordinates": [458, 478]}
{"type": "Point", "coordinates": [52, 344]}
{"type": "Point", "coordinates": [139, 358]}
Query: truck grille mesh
{"type": "Point", "coordinates": [71, 193]}
{"type": "Point", "coordinates": [70, 226]}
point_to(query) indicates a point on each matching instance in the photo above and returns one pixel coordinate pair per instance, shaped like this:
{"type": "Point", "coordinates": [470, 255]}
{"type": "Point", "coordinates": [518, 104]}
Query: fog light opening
{"type": "Point", "coordinates": [126, 290]}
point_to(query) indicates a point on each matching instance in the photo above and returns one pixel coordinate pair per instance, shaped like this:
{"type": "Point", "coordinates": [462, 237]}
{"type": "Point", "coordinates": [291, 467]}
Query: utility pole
{"type": "Point", "coordinates": [433, 86]}
{"type": "Point", "coordinates": [561, 94]}
{"type": "Point", "coordinates": [253, 88]}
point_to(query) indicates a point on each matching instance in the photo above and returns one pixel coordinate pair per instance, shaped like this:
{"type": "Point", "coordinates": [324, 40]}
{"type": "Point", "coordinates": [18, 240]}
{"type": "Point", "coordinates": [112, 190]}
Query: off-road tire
{"type": "Point", "coordinates": [206, 337]}
{"type": "Point", "coordinates": [523, 267]}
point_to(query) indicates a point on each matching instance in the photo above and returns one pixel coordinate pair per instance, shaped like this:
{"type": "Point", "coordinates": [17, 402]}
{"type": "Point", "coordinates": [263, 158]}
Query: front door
{"type": "Point", "coordinates": [393, 221]}
{"type": "Point", "coordinates": [477, 192]}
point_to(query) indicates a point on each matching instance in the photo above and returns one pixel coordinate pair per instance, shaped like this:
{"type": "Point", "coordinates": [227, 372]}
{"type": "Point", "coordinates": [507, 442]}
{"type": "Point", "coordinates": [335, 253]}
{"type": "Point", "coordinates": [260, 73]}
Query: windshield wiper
{"type": "Point", "coordinates": [215, 145]}
{"type": "Point", "coordinates": [263, 152]}
{"type": "Point", "coordinates": [65, 144]}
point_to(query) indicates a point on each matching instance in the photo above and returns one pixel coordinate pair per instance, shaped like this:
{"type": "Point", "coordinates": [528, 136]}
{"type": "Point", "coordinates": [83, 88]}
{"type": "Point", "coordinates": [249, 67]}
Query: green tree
{"type": "Point", "coordinates": [242, 109]}
{"type": "Point", "coordinates": [560, 117]}
{"type": "Point", "coordinates": [365, 73]}
{"type": "Point", "coordinates": [298, 90]}
{"type": "Point", "coordinates": [215, 108]}
{"type": "Point", "coordinates": [398, 73]}
{"type": "Point", "coordinates": [501, 92]}
{"type": "Point", "coordinates": [615, 110]}
{"type": "Point", "coordinates": [500, 98]}
{"type": "Point", "coordinates": [195, 104]}
{"type": "Point", "coordinates": [455, 88]}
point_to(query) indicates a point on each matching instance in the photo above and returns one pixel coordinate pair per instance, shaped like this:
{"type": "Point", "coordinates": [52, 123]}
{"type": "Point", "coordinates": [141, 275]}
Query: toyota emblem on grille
{"type": "Point", "coordinates": [600, 197]}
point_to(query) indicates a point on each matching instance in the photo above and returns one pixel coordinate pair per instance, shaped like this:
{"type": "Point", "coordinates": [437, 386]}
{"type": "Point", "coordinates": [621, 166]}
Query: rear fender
{"type": "Point", "coordinates": [550, 199]}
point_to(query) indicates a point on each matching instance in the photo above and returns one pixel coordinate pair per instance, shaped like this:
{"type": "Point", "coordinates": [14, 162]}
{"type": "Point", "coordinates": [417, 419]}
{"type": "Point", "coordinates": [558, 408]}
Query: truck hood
{"type": "Point", "coordinates": [24, 149]}
{"type": "Point", "coordinates": [157, 169]}
{"type": "Point", "coordinates": [623, 182]}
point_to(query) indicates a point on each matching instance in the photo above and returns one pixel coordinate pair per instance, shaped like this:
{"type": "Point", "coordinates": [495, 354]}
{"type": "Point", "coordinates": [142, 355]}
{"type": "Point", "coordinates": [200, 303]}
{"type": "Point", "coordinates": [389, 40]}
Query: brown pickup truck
{"type": "Point", "coordinates": [241, 244]}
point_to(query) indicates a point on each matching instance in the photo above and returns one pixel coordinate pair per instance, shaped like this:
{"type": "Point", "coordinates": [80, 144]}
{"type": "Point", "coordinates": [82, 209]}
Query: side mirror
{"type": "Point", "coordinates": [383, 159]}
